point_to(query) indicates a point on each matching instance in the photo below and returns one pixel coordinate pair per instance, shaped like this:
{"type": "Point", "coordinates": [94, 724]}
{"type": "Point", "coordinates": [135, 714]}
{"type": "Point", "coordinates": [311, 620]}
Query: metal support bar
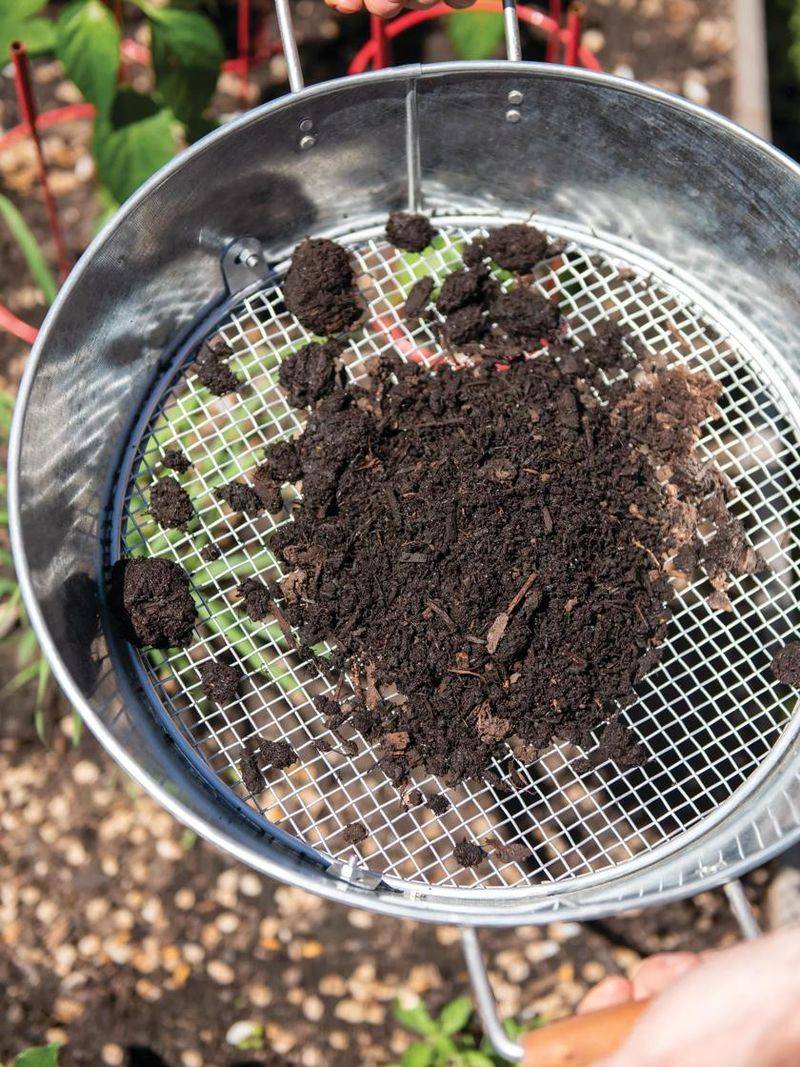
{"type": "Point", "coordinates": [484, 998]}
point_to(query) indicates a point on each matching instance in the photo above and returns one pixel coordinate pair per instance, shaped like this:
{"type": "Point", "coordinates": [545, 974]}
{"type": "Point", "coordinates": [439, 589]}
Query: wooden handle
{"type": "Point", "coordinates": [583, 1039]}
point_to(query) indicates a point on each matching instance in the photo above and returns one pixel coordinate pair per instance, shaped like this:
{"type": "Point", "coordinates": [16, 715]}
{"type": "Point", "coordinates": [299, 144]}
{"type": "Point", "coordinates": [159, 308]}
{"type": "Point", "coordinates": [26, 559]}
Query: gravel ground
{"type": "Point", "coordinates": [131, 942]}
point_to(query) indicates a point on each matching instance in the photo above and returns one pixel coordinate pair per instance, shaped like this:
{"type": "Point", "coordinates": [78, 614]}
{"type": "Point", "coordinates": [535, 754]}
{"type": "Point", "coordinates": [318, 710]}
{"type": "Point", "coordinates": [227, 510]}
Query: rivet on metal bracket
{"type": "Point", "coordinates": [515, 97]}
{"type": "Point", "coordinates": [243, 263]}
{"type": "Point", "coordinates": [308, 141]}
{"type": "Point", "coordinates": [512, 115]}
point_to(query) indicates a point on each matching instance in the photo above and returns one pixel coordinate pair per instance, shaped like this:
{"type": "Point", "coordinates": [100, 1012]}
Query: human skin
{"type": "Point", "coordinates": [387, 8]}
{"type": "Point", "coordinates": [736, 1008]}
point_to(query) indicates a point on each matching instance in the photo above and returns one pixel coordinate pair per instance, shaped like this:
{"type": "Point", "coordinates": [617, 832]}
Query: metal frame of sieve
{"type": "Point", "coordinates": [657, 239]}
{"type": "Point", "coordinates": [706, 737]}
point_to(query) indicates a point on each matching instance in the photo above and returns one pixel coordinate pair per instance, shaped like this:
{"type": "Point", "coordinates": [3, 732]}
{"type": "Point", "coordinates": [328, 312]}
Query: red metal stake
{"type": "Point", "coordinates": [575, 13]}
{"type": "Point", "coordinates": [381, 58]}
{"type": "Point", "coordinates": [243, 48]}
{"type": "Point", "coordinates": [554, 38]}
{"type": "Point", "coordinates": [27, 107]}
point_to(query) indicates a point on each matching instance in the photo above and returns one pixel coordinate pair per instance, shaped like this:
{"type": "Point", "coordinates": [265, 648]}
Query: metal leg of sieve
{"type": "Point", "coordinates": [484, 997]}
{"type": "Point", "coordinates": [740, 906]}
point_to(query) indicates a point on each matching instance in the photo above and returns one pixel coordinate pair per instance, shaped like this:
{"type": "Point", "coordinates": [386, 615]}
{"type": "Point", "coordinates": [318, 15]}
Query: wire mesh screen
{"type": "Point", "coordinates": [707, 715]}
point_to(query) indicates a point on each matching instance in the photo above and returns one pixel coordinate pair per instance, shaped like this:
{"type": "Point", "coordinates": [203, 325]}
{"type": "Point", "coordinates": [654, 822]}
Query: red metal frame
{"type": "Point", "coordinates": [23, 86]}
{"type": "Point", "coordinates": [530, 16]}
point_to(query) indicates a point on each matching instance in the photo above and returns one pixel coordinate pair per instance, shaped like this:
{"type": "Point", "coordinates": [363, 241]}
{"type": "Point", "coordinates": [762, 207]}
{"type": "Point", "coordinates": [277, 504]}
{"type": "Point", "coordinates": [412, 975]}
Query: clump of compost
{"type": "Point", "coordinates": [220, 681]}
{"type": "Point", "coordinates": [211, 367]}
{"type": "Point", "coordinates": [411, 232]}
{"type": "Point", "coordinates": [170, 504]}
{"type": "Point", "coordinates": [785, 664]}
{"type": "Point", "coordinates": [153, 600]}
{"type": "Point", "coordinates": [177, 460]}
{"type": "Point", "coordinates": [310, 373]}
{"type": "Point", "coordinates": [496, 541]}
{"type": "Point", "coordinates": [320, 289]}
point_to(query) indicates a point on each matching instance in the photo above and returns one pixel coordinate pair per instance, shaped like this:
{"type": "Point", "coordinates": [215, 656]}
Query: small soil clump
{"type": "Point", "coordinates": [220, 681]}
{"type": "Point", "coordinates": [524, 315]}
{"type": "Point", "coordinates": [786, 664]}
{"type": "Point", "coordinates": [319, 288]}
{"type": "Point", "coordinates": [170, 504]}
{"type": "Point", "coordinates": [517, 247]}
{"type": "Point", "coordinates": [210, 552]}
{"type": "Point", "coordinates": [256, 598]}
{"type": "Point", "coordinates": [212, 370]}
{"type": "Point", "coordinates": [310, 373]}
{"type": "Point", "coordinates": [250, 771]}
{"type": "Point", "coordinates": [464, 325]}
{"type": "Point", "coordinates": [462, 287]}
{"type": "Point", "coordinates": [153, 598]}
{"type": "Point", "coordinates": [353, 834]}
{"type": "Point", "coordinates": [176, 460]}
{"type": "Point", "coordinates": [240, 497]}
{"type": "Point", "coordinates": [282, 462]}
{"type": "Point", "coordinates": [411, 232]}
{"type": "Point", "coordinates": [439, 804]}
{"type": "Point", "coordinates": [468, 854]}
{"type": "Point", "coordinates": [278, 754]}
{"type": "Point", "coordinates": [418, 299]}
{"type": "Point", "coordinates": [267, 488]}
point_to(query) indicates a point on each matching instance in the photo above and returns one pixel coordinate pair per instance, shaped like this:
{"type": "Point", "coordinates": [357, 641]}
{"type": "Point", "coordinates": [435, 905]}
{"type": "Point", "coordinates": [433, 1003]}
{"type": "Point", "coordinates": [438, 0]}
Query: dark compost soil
{"type": "Point", "coordinates": [412, 232]}
{"type": "Point", "coordinates": [320, 287]}
{"type": "Point", "coordinates": [211, 367]}
{"type": "Point", "coordinates": [496, 541]}
{"type": "Point", "coordinates": [154, 602]}
{"type": "Point", "coordinates": [220, 681]}
{"type": "Point", "coordinates": [170, 504]}
{"type": "Point", "coordinates": [310, 373]}
{"type": "Point", "coordinates": [786, 663]}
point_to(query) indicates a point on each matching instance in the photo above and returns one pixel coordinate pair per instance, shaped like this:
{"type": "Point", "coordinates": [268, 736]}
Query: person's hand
{"type": "Point", "coordinates": [386, 8]}
{"type": "Point", "coordinates": [737, 1008]}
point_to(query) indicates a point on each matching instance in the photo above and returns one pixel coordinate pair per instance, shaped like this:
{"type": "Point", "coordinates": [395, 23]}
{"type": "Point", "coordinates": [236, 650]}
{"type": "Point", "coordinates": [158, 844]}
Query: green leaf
{"type": "Point", "coordinates": [30, 248]}
{"type": "Point", "coordinates": [44, 1056]}
{"type": "Point", "coordinates": [416, 1018]}
{"type": "Point", "coordinates": [475, 34]}
{"type": "Point", "coordinates": [131, 106]}
{"type": "Point", "coordinates": [18, 24]}
{"type": "Point", "coordinates": [77, 728]}
{"type": "Point", "coordinates": [87, 43]}
{"type": "Point", "coordinates": [476, 1059]}
{"type": "Point", "coordinates": [417, 1055]}
{"type": "Point", "coordinates": [455, 1015]}
{"type": "Point", "coordinates": [187, 56]}
{"type": "Point", "coordinates": [127, 156]}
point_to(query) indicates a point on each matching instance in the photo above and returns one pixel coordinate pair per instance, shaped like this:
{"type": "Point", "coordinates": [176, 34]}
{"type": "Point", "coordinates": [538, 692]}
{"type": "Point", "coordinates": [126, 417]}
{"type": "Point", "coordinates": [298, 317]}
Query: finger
{"type": "Point", "coordinates": [384, 9]}
{"type": "Point", "coordinates": [345, 7]}
{"type": "Point", "coordinates": [609, 993]}
{"type": "Point", "coordinates": [419, 5]}
{"type": "Point", "coordinates": [459, 4]}
{"type": "Point", "coordinates": [657, 972]}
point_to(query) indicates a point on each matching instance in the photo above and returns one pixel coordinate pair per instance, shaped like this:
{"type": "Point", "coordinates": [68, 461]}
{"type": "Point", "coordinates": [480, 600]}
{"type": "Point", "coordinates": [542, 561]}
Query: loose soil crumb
{"type": "Point", "coordinates": [267, 488]}
{"type": "Point", "coordinates": [282, 462]}
{"type": "Point", "coordinates": [251, 772]}
{"type": "Point", "coordinates": [310, 373]}
{"type": "Point", "coordinates": [616, 744]}
{"type": "Point", "coordinates": [353, 834]}
{"type": "Point", "coordinates": [464, 325]}
{"type": "Point", "coordinates": [212, 370]}
{"type": "Point", "coordinates": [439, 804]}
{"type": "Point", "coordinates": [154, 601]}
{"type": "Point", "coordinates": [418, 299]}
{"type": "Point", "coordinates": [494, 543]}
{"type": "Point", "coordinates": [468, 854]}
{"type": "Point", "coordinates": [170, 504]}
{"type": "Point", "coordinates": [465, 286]}
{"type": "Point", "coordinates": [240, 497]}
{"type": "Point", "coordinates": [517, 247]}
{"type": "Point", "coordinates": [412, 232]}
{"type": "Point", "coordinates": [514, 852]}
{"type": "Point", "coordinates": [220, 681]}
{"type": "Point", "coordinates": [526, 316]}
{"type": "Point", "coordinates": [210, 552]}
{"type": "Point", "coordinates": [319, 288]}
{"type": "Point", "coordinates": [256, 598]}
{"type": "Point", "coordinates": [176, 460]}
{"type": "Point", "coordinates": [278, 754]}
{"type": "Point", "coordinates": [786, 664]}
